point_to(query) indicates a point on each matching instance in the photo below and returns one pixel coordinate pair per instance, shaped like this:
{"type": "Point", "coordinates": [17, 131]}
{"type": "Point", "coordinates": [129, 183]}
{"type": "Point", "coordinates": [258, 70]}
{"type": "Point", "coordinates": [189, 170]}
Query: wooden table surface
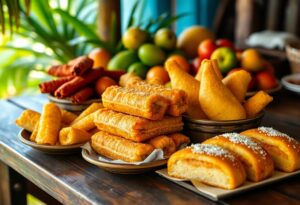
{"type": "Point", "coordinates": [72, 180]}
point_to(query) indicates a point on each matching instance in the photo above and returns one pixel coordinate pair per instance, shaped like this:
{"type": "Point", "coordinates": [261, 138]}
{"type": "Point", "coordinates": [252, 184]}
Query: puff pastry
{"type": "Point", "coordinates": [28, 120]}
{"type": "Point", "coordinates": [209, 164]}
{"type": "Point", "coordinates": [70, 136]}
{"type": "Point", "coordinates": [90, 109]}
{"type": "Point", "coordinates": [163, 142]}
{"type": "Point", "coordinates": [257, 162]}
{"type": "Point", "coordinates": [135, 128]}
{"type": "Point", "coordinates": [177, 97]}
{"type": "Point", "coordinates": [135, 102]}
{"type": "Point", "coordinates": [49, 125]}
{"type": "Point", "coordinates": [115, 147]}
{"type": "Point", "coordinates": [179, 140]}
{"type": "Point", "coordinates": [284, 149]}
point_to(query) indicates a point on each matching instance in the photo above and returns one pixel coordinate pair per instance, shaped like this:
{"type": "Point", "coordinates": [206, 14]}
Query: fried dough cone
{"type": "Point", "coordinates": [179, 139]}
{"type": "Point", "coordinates": [28, 119]}
{"type": "Point", "coordinates": [257, 162]}
{"type": "Point", "coordinates": [90, 109]}
{"type": "Point", "coordinates": [237, 82]}
{"type": "Point", "coordinates": [163, 142]}
{"type": "Point", "coordinates": [214, 66]}
{"type": "Point", "coordinates": [178, 98]}
{"type": "Point", "coordinates": [135, 128]}
{"type": "Point", "coordinates": [71, 135]}
{"type": "Point", "coordinates": [284, 149]}
{"type": "Point", "coordinates": [129, 79]}
{"type": "Point", "coordinates": [182, 80]}
{"type": "Point", "coordinates": [215, 98]}
{"type": "Point", "coordinates": [257, 103]}
{"type": "Point", "coordinates": [115, 147]}
{"type": "Point", "coordinates": [49, 125]}
{"type": "Point", "coordinates": [209, 164]}
{"type": "Point", "coordinates": [135, 102]}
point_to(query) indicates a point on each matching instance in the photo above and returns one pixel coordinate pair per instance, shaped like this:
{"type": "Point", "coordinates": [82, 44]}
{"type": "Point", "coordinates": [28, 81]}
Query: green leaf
{"type": "Point", "coordinates": [130, 21]}
{"type": "Point", "coordinates": [113, 31]}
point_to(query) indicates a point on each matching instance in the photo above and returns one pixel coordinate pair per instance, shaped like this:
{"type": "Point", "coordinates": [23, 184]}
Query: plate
{"type": "Point", "coordinates": [291, 86]}
{"type": "Point", "coordinates": [49, 149]}
{"type": "Point", "coordinates": [276, 89]}
{"type": "Point", "coordinates": [122, 168]}
{"type": "Point", "coordinates": [215, 193]}
{"type": "Point", "coordinates": [73, 107]}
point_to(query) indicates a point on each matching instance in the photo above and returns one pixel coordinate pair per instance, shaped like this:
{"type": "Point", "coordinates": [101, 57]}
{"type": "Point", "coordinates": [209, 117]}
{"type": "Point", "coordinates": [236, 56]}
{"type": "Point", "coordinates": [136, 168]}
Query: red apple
{"type": "Point", "coordinates": [265, 80]}
{"type": "Point", "coordinates": [251, 85]}
{"type": "Point", "coordinates": [224, 42]}
{"type": "Point", "coordinates": [206, 48]}
{"type": "Point", "coordinates": [196, 65]}
{"type": "Point", "coordinates": [269, 68]}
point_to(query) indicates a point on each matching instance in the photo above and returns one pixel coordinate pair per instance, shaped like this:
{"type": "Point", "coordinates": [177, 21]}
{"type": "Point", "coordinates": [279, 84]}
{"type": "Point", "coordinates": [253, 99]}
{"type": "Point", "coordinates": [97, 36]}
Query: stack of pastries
{"type": "Point", "coordinates": [227, 160]}
{"type": "Point", "coordinates": [137, 120]}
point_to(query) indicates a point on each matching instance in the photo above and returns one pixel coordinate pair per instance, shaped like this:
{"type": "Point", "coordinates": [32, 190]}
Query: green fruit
{"type": "Point", "coordinates": [133, 38]}
{"type": "Point", "coordinates": [151, 55]}
{"type": "Point", "coordinates": [165, 38]}
{"type": "Point", "coordinates": [226, 58]}
{"type": "Point", "coordinates": [138, 68]}
{"type": "Point", "coordinates": [122, 60]}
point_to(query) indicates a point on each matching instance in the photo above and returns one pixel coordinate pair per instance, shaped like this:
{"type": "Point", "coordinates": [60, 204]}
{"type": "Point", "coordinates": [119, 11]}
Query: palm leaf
{"type": "Point", "coordinates": [130, 21]}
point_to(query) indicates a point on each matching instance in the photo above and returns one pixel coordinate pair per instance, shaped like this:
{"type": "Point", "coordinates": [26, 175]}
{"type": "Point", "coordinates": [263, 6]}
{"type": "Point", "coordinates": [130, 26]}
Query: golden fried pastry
{"type": "Point", "coordinates": [135, 128]}
{"type": "Point", "coordinates": [73, 136]}
{"type": "Point", "coordinates": [257, 103]}
{"type": "Point", "coordinates": [129, 79]}
{"type": "Point", "coordinates": [184, 81]}
{"type": "Point", "coordinates": [215, 66]}
{"type": "Point", "coordinates": [216, 100]}
{"type": "Point", "coordinates": [49, 125]}
{"type": "Point", "coordinates": [209, 164]}
{"type": "Point", "coordinates": [34, 132]}
{"type": "Point", "coordinates": [163, 142]}
{"type": "Point", "coordinates": [115, 147]}
{"type": "Point", "coordinates": [135, 102]}
{"type": "Point", "coordinates": [90, 109]}
{"type": "Point", "coordinates": [28, 119]}
{"type": "Point", "coordinates": [67, 117]}
{"type": "Point", "coordinates": [179, 139]}
{"type": "Point", "coordinates": [86, 123]}
{"type": "Point", "coordinates": [237, 82]}
{"type": "Point", "coordinates": [178, 98]}
{"type": "Point", "coordinates": [257, 162]}
{"type": "Point", "coordinates": [284, 149]}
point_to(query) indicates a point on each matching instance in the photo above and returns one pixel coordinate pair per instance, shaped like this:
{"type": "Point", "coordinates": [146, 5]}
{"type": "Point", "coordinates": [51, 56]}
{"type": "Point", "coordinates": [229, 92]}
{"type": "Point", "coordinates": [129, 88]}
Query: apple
{"type": "Point", "coordinates": [224, 42]}
{"type": "Point", "coordinates": [269, 68]}
{"type": "Point", "coordinates": [206, 48]}
{"type": "Point", "coordinates": [265, 80]}
{"type": "Point", "coordinates": [196, 65]}
{"type": "Point", "coordinates": [226, 58]}
{"type": "Point", "coordinates": [165, 38]}
{"type": "Point", "coordinates": [252, 84]}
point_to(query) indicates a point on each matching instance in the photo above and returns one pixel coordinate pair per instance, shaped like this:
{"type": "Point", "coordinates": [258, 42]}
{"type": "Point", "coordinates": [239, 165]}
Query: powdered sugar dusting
{"type": "Point", "coordinates": [241, 139]}
{"type": "Point", "coordinates": [212, 150]}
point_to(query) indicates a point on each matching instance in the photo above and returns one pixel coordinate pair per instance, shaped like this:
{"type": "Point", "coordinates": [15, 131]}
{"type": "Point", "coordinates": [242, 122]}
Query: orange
{"type": "Point", "coordinates": [157, 74]}
{"type": "Point", "coordinates": [184, 64]}
{"type": "Point", "coordinates": [251, 60]}
{"type": "Point", "coordinates": [100, 56]}
{"type": "Point", "coordinates": [103, 83]}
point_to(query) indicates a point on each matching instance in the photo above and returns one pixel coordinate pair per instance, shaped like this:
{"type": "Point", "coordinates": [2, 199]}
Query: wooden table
{"type": "Point", "coordinates": [71, 180]}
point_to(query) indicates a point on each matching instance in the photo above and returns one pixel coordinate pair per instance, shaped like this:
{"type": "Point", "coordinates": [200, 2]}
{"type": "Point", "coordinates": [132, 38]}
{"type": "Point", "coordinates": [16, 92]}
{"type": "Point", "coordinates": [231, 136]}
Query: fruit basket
{"type": "Point", "coordinates": [293, 55]}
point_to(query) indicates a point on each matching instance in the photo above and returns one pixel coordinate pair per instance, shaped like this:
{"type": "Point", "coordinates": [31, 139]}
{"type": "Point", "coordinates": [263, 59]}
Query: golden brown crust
{"type": "Point", "coordinates": [257, 103]}
{"type": "Point", "coordinates": [179, 139]}
{"type": "Point", "coordinates": [28, 119]}
{"type": "Point", "coordinates": [163, 142]}
{"type": "Point", "coordinates": [202, 162]}
{"type": "Point", "coordinates": [115, 147]}
{"type": "Point", "coordinates": [177, 97]}
{"type": "Point", "coordinates": [90, 109]}
{"type": "Point", "coordinates": [135, 102]}
{"type": "Point", "coordinates": [258, 163]}
{"type": "Point", "coordinates": [135, 128]}
{"type": "Point", "coordinates": [70, 136]}
{"type": "Point", "coordinates": [284, 150]}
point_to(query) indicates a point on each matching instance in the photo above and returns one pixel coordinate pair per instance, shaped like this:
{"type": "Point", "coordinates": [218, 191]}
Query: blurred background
{"type": "Point", "coordinates": [39, 33]}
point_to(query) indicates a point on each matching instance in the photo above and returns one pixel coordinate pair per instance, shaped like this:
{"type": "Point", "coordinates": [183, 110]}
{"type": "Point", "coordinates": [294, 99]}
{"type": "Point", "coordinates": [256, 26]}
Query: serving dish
{"type": "Point", "coordinates": [215, 193]}
{"type": "Point", "coordinates": [286, 82]}
{"type": "Point", "coordinates": [49, 149]}
{"type": "Point", "coordinates": [122, 168]}
{"type": "Point", "coordinates": [200, 129]}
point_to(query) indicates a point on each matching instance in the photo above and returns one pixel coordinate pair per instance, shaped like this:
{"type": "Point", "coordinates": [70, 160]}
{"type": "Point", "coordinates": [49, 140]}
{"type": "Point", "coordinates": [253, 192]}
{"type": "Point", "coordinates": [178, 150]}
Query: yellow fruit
{"type": "Point", "coordinates": [191, 37]}
{"type": "Point", "coordinates": [100, 56]}
{"type": "Point", "coordinates": [133, 38]}
{"type": "Point", "coordinates": [251, 60]}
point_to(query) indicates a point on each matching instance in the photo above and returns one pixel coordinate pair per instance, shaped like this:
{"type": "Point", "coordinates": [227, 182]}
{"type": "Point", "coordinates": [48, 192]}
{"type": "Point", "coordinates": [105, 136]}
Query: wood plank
{"type": "Point", "coordinates": [34, 102]}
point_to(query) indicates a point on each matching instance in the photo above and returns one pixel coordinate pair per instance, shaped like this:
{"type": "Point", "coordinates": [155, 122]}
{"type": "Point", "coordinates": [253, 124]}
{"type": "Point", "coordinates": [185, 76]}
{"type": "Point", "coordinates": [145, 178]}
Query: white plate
{"type": "Point", "coordinates": [291, 86]}
{"type": "Point", "coordinates": [215, 194]}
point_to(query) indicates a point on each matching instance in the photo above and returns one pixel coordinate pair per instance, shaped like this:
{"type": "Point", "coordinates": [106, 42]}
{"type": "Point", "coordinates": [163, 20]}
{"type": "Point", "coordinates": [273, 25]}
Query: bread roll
{"type": "Point", "coordinates": [257, 162]}
{"type": "Point", "coordinates": [209, 164]}
{"type": "Point", "coordinates": [284, 149]}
